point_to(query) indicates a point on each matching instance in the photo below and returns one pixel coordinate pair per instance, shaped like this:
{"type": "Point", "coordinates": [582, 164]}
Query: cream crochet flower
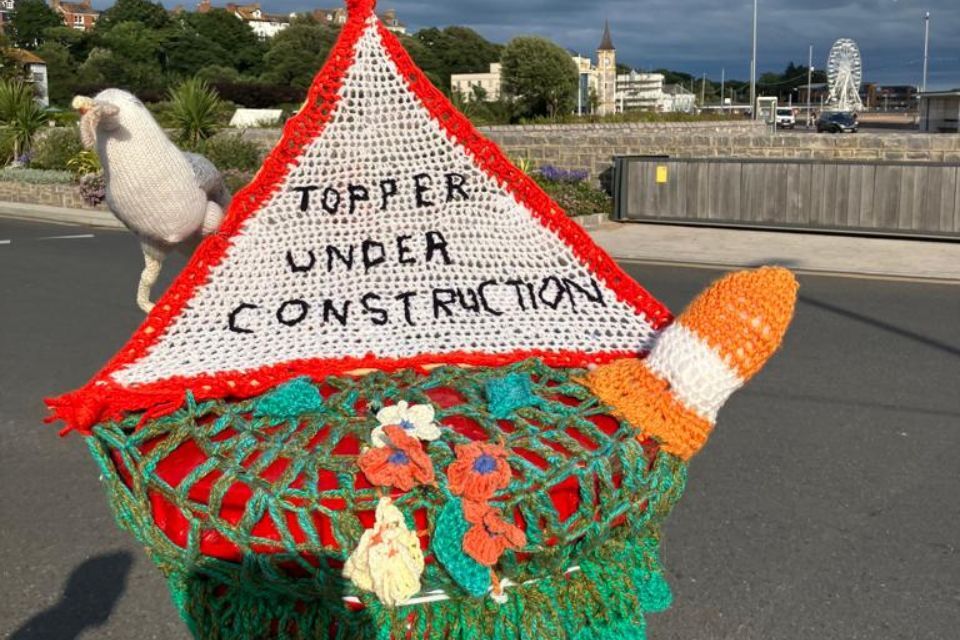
{"type": "Point", "coordinates": [388, 561]}
{"type": "Point", "coordinates": [417, 421]}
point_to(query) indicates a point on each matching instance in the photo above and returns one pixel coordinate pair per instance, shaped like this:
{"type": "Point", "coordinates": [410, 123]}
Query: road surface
{"type": "Point", "coordinates": [825, 506]}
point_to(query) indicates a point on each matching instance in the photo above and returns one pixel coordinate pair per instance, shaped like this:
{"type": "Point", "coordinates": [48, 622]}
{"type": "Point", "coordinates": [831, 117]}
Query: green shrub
{"type": "Point", "coordinates": [195, 110]}
{"type": "Point", "coordinates": [235, 179]}
{"type": "Point", "coordinates": [577, 198]}
{"type": "Point", "coordinates": [54, 148]}
{"type": "Point", "coordinates": [232, 151]}
{"type": "Point", "coordinates": [84, 162]}
{"type": "Point", "coordinates": [36, 176]}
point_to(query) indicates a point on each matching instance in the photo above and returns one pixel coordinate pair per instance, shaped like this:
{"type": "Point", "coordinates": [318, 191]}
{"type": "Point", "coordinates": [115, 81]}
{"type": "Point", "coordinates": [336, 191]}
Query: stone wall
{"type": "Point", "coordinates": [57, 195]}
{"type": "Point", "coordinates": [593, 146]}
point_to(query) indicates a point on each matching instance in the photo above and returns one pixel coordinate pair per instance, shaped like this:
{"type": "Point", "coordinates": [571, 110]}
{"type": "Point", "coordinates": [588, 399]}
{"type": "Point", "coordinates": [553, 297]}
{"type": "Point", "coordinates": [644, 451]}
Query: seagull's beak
{"type": "Point", "coordinates": [719, 342]}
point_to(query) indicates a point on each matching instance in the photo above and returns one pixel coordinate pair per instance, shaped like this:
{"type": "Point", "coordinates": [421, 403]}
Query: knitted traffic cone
{"type": "Point", "coordinates": [722, 339]}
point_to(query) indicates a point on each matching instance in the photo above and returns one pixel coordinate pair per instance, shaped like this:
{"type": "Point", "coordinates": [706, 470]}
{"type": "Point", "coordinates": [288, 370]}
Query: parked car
{"type": "Point", "coordinates": [837, 122]}
{"type": "Point", "coordinates": [786, 118]}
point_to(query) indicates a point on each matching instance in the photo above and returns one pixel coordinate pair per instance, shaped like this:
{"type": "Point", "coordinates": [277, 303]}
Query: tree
{"type": "Point", "coordinates": [61, 72]}
{"type": "Point", "coordinates": [244, 49]}
{"type": "Point", "coordinates": [297, 52]}
{"type": "Point", "coordinates": [454, 50]}
{"type": "Point", "coordinates": [186, 51]}
{"type": "Point", "coordinates": [540, 76]}
{"type": "Point", "coordinates": [129, 57]}
{"type": "Point", "coordinates": [149, 14]}
{"type": "Point", "coordinates": [28, 22]}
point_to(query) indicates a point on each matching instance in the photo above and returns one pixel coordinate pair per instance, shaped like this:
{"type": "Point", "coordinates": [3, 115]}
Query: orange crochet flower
{"type": "Point", "coordinates": [401, 464]}
{"type": "Point", "coordinates": [490, 534]}
{"type": "Point", "coordinates": [479, 471]}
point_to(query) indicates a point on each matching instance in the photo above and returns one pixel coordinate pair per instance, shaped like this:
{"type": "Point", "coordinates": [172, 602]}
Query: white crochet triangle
{"type": "Point", "coordinates": [393, 238]}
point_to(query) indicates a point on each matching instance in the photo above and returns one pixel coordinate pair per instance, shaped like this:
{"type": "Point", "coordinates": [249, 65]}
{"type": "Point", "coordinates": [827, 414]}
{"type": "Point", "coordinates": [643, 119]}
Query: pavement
{"type": "Point", "coordinates": [824, 507]}
{"type": "Point", "coordinates": [806, 252]}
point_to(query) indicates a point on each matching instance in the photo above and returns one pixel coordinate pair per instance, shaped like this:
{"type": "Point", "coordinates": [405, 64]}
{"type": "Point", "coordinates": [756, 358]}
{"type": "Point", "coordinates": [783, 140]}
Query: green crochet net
{"type": "Point", "coordinates": [271, 484]}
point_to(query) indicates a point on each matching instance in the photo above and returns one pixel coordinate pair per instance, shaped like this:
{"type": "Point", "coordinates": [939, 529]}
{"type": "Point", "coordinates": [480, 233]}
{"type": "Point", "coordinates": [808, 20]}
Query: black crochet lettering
{"type": "Point", "coordinates": [305, 195]}
{"type": "Point", "coordinates": [483, 297]}
{"type": "Point", "coordinates": [324, 201]}
{"type": "Point", "coordinates": [403, 251]}
{"type": "Point", "coordinates": [347, 260]}
{"type": "Point", "coordinates": [517, 283]}
{"type": "Point", "coordinates": [436, 243]}
{"type": "Point", "coordinates": [420, 189]}
{"type": "Point", "coordinates": [455, 182]}
{"type": "Point", "coordinates": [329, 309]}
{"type": "Point", "coordinates": [378, 315]}
{"type": "Point", "coordinates": [596, 297]}
{"type": "Point", "coordinates": [444, 302]}
{"type": "Point", "coordinates": [468, 300]}
{"type": "Point", "coordinates": [386, 194]}
{"type": "Point", "coordinates": [232, 318]}
{"type": "Point", "coordinates": [371, 259]}
{"type": "Point", "coordinates": [301, 268]}
{"type": "Point", "coordinates": [358, 193]}
{"type": "Point", "coordinates": [558, 298]}
{"type": "Point", "coordinates": [407, 314]}
{"type": "Point", "coordinates": [301, 310]}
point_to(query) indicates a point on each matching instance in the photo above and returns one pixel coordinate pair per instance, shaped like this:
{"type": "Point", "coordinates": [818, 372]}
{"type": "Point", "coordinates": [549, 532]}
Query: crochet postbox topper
{"type": "Point", "coordinates": [400, 394]}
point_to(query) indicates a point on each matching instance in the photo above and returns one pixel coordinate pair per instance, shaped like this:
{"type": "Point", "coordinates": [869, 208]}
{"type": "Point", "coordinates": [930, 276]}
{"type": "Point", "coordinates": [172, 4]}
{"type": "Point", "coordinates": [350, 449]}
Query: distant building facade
{"type": "Point", "coordinates": [479, 86]}
{"type": "Point", "coordinates": [76, 15]}
{"type": "Point", "coordinates": [34, 71]}
{"type": "Point", "coordinates": [638, 91]}
{"type": "Point", "coordinates": [267, 25]}
{"type": "Point", "coordinates": [6, 11]}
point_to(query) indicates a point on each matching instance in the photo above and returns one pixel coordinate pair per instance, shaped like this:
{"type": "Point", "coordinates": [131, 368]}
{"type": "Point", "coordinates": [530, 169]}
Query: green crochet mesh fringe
{"type": "Point", "coordinates": [264, 497]}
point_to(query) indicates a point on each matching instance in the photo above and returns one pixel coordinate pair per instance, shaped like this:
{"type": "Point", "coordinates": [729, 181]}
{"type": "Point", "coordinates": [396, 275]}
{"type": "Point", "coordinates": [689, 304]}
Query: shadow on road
{"type": "Point", "coordinates": [92, 592]}
{"type": "Point", "coordinates": [884, 326]}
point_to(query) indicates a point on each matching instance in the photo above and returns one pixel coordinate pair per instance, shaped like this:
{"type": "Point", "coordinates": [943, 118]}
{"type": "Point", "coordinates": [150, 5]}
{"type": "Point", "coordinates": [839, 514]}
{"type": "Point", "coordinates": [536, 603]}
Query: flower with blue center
{"type": "Point", "coordinates": [416, 420]}
{"type": "Point", "coordinates": [480, 470]}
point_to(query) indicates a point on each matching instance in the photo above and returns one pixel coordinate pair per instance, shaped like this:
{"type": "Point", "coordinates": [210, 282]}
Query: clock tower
{"type": "Point", "coordinates": [606, 73]}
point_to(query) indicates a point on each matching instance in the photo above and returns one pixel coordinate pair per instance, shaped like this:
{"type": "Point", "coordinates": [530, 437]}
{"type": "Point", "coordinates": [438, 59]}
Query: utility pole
{"type": "Point", "coordinates": [809, 87]}
{"type": "Point", "coordinates": [703, 91]}
{"type": "Point", "coordinates": [753, 66]}
{"type": "Point", "coordinates": [723, 86]}
{"type": "Point", "coordinates": [926, 49]}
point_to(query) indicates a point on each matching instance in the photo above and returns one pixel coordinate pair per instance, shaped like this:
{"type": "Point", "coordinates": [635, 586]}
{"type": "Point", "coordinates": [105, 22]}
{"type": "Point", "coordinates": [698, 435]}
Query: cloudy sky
{"type": "Point", "coordinates": [705, 36]}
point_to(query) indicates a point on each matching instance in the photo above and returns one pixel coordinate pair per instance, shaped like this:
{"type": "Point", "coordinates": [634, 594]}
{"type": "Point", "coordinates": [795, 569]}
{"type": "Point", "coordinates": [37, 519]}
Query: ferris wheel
{"type": "Point", "coordinates": [844, 74]}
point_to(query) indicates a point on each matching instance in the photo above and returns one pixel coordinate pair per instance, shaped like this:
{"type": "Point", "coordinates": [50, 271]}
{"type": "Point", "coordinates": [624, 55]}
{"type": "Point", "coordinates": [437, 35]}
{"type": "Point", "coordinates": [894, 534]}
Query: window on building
{"type": "Point", "coordinates": [78, 20]}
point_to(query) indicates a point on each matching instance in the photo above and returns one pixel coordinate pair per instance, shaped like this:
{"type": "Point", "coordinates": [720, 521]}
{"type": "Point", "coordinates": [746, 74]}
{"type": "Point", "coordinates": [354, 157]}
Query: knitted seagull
{"type": "Point", "coordinates": [168, 198]}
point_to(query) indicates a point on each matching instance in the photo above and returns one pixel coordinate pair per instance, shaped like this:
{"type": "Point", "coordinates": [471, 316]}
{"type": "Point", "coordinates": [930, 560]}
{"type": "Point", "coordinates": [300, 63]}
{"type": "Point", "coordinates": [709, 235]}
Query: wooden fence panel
{"type": "Point", "coordinates": [882, 197]}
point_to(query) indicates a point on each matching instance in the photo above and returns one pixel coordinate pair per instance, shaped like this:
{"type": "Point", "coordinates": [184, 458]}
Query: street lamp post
{"type": "Point", "coordinates": [753, 66]}
{"type": "Point", "coordinates": [723, 85]}
{"type": "Point", "coordinates": [926, 49]}
{"type": "Point", "coordinates": [809, 87]}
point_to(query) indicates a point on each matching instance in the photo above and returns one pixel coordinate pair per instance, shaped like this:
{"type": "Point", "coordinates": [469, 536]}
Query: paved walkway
{"type": "Point", "coordinates": [882, 257]}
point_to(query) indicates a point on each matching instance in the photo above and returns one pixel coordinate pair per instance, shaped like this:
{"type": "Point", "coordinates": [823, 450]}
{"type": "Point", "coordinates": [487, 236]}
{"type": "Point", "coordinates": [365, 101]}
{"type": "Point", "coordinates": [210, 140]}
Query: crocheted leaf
{"type": "Point", "coordinates": [295, 398]}
{"type": "Point", "coordinates": [447, 546]}
{"type": "Point", "coordinates": [509, 393]}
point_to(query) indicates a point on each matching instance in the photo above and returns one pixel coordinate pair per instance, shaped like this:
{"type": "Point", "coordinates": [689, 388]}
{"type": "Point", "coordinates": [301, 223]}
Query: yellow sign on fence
{"type": "Point", "coordinates": [661, 174]}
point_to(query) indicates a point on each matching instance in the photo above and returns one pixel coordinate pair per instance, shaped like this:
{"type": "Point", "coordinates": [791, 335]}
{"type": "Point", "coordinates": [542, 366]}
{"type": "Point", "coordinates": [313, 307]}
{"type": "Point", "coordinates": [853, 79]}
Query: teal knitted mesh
{"type": "Point", "coordinates": [251, 507]}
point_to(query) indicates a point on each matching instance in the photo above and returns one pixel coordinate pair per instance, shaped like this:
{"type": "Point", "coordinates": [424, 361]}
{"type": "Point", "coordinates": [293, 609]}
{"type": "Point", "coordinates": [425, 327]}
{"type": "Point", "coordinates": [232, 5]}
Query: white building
{"type": "Point", "coordinates": [486, 86]}
{"type": "Point", "coordinates": [647, 92]}
{"type": "Point", "coordinates": [34, 71]}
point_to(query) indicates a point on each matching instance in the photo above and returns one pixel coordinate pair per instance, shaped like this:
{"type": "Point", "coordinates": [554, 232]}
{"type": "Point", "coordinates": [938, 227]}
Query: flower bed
{"type": "Point", "coordinates": [572, 191]}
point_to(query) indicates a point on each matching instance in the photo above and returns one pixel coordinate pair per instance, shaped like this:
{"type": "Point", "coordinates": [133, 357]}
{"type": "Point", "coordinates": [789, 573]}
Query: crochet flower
{"type": "Point", "coordinates": [388, 561]}
{"type": "Point", "coordinates": [479, 471]}
{"type": "Point", "coordinates": [402, 463]}
{"type": "Point", "coordinates": [416, 420]}
{"type": "Point", "coordinates": [490, 534]}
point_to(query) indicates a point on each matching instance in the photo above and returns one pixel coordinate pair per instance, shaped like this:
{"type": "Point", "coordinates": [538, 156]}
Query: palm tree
{"type": "Point", "coordinates": [20, 114]}
{"type": "Point", "coordinates": [195, 110]}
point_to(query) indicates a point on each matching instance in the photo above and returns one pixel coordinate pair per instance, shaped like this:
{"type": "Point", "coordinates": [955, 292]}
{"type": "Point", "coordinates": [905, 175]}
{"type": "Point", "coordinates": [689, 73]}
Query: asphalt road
{"type": "Point", "coordinates": [825, 506]}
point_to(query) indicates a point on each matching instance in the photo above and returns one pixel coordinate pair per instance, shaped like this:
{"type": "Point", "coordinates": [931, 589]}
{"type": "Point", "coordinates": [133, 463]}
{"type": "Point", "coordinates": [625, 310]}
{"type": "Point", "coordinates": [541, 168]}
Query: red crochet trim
{"type": "Point", "coordinates": [102, 398]}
